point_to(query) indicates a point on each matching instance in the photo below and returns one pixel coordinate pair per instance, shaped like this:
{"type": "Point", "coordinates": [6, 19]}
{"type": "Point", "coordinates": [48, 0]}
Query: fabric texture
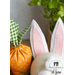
{"type": "Point", "coordinates": [37, 42]}
{"type": "Point", "coordinates": [14, 32]}
{"type": "Point", "coordinates": [44, 72]}
{"type": "Point", "coordinates": [20, 59]}
{"type": "Point", "coordinates": [16, 37]}
{"type": "Point", "coordinates": [59, 38]}
{"type": "Point", "coordinates": [53, 37]}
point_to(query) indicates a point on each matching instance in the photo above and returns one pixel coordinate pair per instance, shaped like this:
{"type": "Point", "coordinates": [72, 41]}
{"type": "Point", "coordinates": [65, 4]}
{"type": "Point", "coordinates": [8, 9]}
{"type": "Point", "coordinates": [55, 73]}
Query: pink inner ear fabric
{"type": "Point", "coordinates": [59, 38]}
{"type": "Point", "coordinates": [38, 45]}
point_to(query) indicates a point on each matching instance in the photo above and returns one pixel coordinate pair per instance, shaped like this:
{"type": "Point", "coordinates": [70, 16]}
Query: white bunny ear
{"type": "Point", "coordinates": [57, 40]}
{"type": "Point", "coordinates": [37, 40]}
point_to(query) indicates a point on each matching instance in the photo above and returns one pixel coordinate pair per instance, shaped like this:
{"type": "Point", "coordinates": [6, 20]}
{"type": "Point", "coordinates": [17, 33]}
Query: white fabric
{"type": "Point", "coordinates": [44, 72]}
{"type": "Point", "coordinates": [53, 35]}
{"type": "Point", "coordinates": [34, 23]}
{"type": "Point", "coordinates": [47, 63]}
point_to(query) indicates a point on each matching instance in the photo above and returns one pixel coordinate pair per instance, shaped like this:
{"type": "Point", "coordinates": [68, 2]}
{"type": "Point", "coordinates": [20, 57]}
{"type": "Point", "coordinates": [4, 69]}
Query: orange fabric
{"type": "Point", "coordinates": [20, 59]}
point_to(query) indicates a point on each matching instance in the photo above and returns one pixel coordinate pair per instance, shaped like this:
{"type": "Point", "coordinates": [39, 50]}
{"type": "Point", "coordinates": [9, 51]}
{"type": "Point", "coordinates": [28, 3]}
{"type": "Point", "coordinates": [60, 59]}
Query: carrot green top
{"type": "Point", "coordinates": [16, 37]}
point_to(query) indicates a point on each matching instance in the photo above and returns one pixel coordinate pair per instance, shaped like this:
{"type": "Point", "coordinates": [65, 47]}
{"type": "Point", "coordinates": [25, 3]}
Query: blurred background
{"type": "Point", "coordinates": [23, 14]}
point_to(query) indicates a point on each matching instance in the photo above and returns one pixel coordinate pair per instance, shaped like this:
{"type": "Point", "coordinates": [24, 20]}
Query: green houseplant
{"type": "Point", "coordinates": [53, 9]}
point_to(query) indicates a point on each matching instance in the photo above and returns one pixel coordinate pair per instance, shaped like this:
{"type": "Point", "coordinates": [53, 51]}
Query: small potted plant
{"type": "Point", "coordinates": [53, 9]}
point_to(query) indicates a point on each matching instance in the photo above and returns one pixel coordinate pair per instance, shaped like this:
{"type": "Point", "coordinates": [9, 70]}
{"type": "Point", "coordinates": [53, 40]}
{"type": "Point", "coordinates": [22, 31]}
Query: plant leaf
{"type": "Point", "coordinates": [31, 3]}
{"type": "Point", "coordinates": [43, 2]}
{"type": "Point", "coordinates": [38, 3]}
{"type": "Point", "coordinates": [54, 14]}
{"type": "Point", "coordinates": [55, 17]}
{"type": "Point", "coordinates": [53, 4]}
{"type": "Point", "coordinates": [47, 16]}
{"type": "Point", "coordinates": [61, 11]}
{"type": "Point", "coordinates": [62, 1]}
{"type": "Point", "coordinates": [45, 10]}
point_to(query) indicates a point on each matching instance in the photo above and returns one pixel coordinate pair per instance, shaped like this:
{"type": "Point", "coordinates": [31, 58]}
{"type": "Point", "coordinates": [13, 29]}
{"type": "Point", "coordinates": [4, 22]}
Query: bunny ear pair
{"type": "Point", "coordinates": [38, 41]}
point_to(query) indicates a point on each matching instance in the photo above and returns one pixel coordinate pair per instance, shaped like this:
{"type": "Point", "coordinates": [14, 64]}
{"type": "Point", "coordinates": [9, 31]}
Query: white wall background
{"type": "Point", "coordinates": [23, 14]}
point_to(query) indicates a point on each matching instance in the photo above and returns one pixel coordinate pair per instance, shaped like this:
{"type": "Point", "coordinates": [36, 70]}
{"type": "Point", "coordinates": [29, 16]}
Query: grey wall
{"type": "Point", "coordinates": [23, 14]}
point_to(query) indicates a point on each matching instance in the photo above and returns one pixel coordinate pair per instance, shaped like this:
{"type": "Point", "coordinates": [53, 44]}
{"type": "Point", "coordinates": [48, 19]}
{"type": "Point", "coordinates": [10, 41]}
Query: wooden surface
{"type": "Point", "coordinates": [26, 42]}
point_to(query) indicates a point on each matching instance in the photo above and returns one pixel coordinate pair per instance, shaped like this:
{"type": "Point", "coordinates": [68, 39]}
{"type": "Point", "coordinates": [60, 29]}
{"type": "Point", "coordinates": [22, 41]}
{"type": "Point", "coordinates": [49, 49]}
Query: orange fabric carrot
{"type": "Point", "coordinates": [20, 55]}
{"type": "Point", "coordinates": [20, 59]}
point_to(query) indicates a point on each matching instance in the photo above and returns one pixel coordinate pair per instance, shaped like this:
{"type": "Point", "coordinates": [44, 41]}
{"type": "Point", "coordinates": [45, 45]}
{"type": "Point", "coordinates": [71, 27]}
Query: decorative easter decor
{"type": "Point", "coordinates": [45, 62]}
{"type": "Point", "coordinates": [20, 55]}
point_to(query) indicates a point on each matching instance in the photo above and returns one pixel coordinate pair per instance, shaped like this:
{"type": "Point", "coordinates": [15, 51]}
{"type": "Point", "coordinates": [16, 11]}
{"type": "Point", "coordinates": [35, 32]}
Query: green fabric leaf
{"type": "Point", "coordinates": [20, 35]}
{"type": "Point", "coordinates": [14, 32]}
{"type": "Point", "coordinates": [16, 38]}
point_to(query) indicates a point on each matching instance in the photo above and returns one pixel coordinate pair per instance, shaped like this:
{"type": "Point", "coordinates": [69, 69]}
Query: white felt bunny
{"type": "Point", "coordinates": [45, 62]}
